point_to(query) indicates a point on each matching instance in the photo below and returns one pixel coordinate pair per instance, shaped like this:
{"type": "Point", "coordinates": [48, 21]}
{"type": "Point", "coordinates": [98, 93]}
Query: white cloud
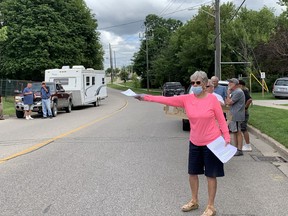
{"type": "Point", "coordinates": [112, 14]}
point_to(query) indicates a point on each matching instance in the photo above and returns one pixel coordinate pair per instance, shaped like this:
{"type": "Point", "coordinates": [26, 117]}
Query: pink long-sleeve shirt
{"type": "Point", "coordinates": [205, 115]}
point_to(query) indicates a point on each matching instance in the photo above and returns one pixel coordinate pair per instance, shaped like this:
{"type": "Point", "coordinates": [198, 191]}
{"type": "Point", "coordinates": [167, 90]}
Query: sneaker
{"type": "Point", "coordinates": [247, 147]}
{"type": "Point", "coordinates": [30, 117]}
{"type": "Point", "coordinates": [50, 117]}
{"type": "Point", "coordinates": [239, 153]}
{"type": "Point", "coordinates": [44, 117]}
{"type": "Point", "coordinates": [27, 118]}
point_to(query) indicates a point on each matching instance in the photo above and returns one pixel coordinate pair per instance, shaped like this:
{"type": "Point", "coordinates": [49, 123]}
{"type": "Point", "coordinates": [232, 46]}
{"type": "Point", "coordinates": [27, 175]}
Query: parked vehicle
{"type": "Point", "coordinates": [88, 86]}
{"type": "Point", "coordinates": [280, 87]}
{"type": "Point", "coordinates": [60, 99]}
{"type": "Point", "coordinates": [172, 88]}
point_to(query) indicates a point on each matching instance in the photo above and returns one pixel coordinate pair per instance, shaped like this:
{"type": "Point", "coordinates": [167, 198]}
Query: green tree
{"type": "Point", "coordinates": [124, 74]}
{"type": "Point", "coordinates": [3, 34]}
{"type": "Point", "coordinates": [44, 34]}
{"type": "Point", "coordinates": [158, 33]}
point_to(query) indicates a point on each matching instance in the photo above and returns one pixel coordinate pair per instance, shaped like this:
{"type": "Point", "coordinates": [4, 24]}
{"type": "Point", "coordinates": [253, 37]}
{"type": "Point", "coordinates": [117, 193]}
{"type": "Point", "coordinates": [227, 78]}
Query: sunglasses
{"type": "Point", "coordinates": [197, 82]}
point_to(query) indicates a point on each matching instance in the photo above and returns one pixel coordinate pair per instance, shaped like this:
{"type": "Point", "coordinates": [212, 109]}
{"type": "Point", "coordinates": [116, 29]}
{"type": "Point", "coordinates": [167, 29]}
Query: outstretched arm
{"type": "Point", "coordinates": [177, 101]}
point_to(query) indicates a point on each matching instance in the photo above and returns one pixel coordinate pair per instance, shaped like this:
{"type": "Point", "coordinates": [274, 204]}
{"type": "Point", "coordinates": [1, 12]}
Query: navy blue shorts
{"type": "Point", "coordinates": [203, 161]}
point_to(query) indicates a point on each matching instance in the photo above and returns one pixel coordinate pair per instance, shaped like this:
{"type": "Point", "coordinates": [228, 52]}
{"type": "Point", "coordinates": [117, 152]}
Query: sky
{"type": "Point", "coordinates": [120, 22]}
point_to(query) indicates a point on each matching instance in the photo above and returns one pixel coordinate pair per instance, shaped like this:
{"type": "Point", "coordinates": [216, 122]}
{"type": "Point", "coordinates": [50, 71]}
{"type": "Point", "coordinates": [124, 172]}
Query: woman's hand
{"type": "Point", "coordinates": [139, 97]}
{"type": "Point", "coordinates": [227, 143]}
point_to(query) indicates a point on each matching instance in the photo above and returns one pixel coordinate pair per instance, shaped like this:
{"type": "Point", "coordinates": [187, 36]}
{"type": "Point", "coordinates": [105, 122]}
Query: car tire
{"type": "Point", "coordinates": [185, 125]}
{"type": "Point", "coordinates": [69, 108]}
{"type": "Point", "coordinates": [54, 109]}
{"type": "Point", "coordinates": [19, 114]}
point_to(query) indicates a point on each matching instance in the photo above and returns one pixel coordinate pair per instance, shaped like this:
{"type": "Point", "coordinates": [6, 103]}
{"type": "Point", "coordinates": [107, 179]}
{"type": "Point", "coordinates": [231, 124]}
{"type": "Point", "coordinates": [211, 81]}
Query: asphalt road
{"type": "Point", "coordinates": [122, 158]}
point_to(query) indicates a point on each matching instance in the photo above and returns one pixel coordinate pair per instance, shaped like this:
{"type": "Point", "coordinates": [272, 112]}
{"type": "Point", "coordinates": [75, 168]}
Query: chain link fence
{"type": "Point", "coordinates": [8, 88]}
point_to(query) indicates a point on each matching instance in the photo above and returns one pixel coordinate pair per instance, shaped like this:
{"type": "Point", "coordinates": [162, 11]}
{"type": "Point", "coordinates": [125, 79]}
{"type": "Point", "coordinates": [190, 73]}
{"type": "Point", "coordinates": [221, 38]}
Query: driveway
{"type": "Point", "coordinates": [280, 104]}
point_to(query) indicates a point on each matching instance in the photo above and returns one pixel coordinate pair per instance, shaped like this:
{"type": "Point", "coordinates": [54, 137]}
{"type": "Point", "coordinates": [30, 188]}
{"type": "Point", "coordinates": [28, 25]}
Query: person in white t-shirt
{"type": "Point", "coordinates": [210, 89]}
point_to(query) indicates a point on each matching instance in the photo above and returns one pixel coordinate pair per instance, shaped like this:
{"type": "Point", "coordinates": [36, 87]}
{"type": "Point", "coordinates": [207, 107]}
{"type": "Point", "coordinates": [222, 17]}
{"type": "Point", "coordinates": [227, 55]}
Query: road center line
{"type": "Point", "coordinates": [44, 143]}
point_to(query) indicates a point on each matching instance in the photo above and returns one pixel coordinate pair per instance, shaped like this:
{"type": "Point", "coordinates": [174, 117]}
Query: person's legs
{"type": "Point", "coordinates": [247, 145]}
{"type": "Point", "coordinates": [239, 140]}
{"type": "Point", "coordinates": [195, 168]}
{"type": "Point", "coordinates": [49, 108]}
{"type": "Point", "coordinates": [246, 137]}
{"type": "Point", "coordinates": [26, 109]}
{"type": "Point", "coordinates": [1, 112]}
{"type": "Point", "coordinates": [194, 186]}
{"type": "Point", "coordinates": [30, 110]}
{"type": "Point", "coordinates": [212, 188]}
{"type": "Point", "coordinates": [213, 168]}
{"type": "Point", "coordinates": [44, 108]}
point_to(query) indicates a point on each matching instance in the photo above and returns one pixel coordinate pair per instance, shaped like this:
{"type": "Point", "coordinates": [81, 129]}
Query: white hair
{"type": "Point", "coordinates": [199, 74]}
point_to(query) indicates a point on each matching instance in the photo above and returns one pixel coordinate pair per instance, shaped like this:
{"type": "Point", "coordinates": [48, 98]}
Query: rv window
{"type": "Point", "coordinates": [87, 81]}
{"type": "Point", "coordinates": [103, 80]}
{"type": "Point", "coordinates": [63, 81]}
{"type": "Point", "coordinates": [93, 80]}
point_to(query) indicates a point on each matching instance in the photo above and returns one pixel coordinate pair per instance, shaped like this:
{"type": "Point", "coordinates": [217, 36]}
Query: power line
{"type": "Point", "coordinates": [237, 10]}
{"type": "Point", "coordinates": [137, 21]}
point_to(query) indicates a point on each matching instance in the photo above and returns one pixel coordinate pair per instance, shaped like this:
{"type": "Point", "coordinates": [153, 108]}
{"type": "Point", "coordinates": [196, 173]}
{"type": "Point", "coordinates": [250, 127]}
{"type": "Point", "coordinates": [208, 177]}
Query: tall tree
{"type": "Point", "coordinates": [157, 35]}
{"type": "Point", "coordinates": [44, 34]}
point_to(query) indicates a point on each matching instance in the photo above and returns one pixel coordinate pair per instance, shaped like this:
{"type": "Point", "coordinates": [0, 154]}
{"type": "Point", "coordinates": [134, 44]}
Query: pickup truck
{"type": "Point", "coordinates": [60, 99]}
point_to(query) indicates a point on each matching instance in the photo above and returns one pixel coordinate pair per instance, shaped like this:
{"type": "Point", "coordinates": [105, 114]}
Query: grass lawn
{"type": "Point", "coordinates": [8, 106]}
{"type": "Point", "coordinates": [270, 121]}
{"type": "Point", "coordinates": [259, 96]}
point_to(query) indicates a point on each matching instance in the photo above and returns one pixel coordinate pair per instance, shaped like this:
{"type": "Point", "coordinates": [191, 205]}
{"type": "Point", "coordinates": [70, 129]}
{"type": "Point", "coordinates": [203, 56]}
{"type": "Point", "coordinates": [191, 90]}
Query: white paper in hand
{"type": "Point", "coordinates": [224, 153]}
{"type": "Point", "coordinates": [129, 93]}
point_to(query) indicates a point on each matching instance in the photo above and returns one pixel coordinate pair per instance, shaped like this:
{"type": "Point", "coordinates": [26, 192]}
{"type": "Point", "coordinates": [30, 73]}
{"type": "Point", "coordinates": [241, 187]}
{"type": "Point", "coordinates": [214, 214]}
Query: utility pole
{"type": "Point", "coordinates": [146, 35]}
{"type": "Point", "coordinates": [217, 40]}
{"type": "Point", "coordinates": [111, 63]}
{"type": "Point", "coordinates": [115, 60]}
{"type": "Point", "coordinates": [147, 59]}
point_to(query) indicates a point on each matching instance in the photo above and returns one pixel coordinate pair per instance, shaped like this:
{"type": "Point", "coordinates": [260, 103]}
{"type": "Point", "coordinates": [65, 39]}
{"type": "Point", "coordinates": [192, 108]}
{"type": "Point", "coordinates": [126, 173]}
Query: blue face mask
{"type": "Point", "coordinates": [196, 90]}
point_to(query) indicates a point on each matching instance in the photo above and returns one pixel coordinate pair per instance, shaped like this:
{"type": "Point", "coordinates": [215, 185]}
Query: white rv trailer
{"type": "Point", "coordinates": [88, 86]}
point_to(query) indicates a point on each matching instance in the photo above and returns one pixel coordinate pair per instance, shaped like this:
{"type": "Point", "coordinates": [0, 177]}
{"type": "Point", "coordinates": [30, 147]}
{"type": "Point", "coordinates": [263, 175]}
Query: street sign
{"type": "Point", "coordinates": [262, 75]}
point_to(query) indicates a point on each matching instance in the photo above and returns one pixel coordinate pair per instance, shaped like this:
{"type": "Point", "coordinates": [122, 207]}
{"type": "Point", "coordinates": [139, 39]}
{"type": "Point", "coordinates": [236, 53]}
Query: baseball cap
{"type": "Point", "coordinates": [233, 80]}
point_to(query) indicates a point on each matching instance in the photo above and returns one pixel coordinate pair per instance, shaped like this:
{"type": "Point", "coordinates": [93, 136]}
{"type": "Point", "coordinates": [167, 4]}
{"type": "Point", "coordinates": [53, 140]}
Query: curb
{"type": "Point", "coordinates": [283, 151]}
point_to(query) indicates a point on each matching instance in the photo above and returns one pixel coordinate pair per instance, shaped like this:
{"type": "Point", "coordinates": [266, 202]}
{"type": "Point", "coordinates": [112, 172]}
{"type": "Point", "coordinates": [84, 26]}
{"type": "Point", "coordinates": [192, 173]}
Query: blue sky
{"type": "Point", "coordinates": [121, 22]}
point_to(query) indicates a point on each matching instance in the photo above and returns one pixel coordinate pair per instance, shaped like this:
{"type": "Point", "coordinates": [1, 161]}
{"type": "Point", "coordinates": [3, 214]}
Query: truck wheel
{"type": "Point", "coordinates": [19, 114]}
{"type": "Point", "coordinates": [54, 109]}
{"type": "Point", "coordinates": [69, 108]}
{"type": "Point", "coordinates": [185, 125]}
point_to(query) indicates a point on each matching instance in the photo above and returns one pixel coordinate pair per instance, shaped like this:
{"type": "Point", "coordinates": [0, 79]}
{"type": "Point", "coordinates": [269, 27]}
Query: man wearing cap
{"type": "Point", "coordinates": [45, 95]}
{"type": "Point", "coordinates": [236, 100]}
{"type": "Point", "coordinates": [248, 101]}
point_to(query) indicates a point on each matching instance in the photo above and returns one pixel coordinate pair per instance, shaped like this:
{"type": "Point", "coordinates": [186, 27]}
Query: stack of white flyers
{"type": "Point", "coordinates": [130, 93]}
{"type": "Point", "coordinates": [224, 153]}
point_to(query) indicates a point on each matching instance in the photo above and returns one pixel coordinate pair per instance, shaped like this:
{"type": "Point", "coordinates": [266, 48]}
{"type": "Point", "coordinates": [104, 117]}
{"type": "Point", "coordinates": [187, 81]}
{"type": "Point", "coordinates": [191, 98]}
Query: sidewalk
{"type": "Point", "coordinates": [280, 104]}
{"type": "Point", "coordinates": [273, 149]}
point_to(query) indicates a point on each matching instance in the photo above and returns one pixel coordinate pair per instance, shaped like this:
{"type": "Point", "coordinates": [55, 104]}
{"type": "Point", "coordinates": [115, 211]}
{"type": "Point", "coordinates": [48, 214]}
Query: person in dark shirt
{"type": "Point", "coordinates": [248, 101]}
